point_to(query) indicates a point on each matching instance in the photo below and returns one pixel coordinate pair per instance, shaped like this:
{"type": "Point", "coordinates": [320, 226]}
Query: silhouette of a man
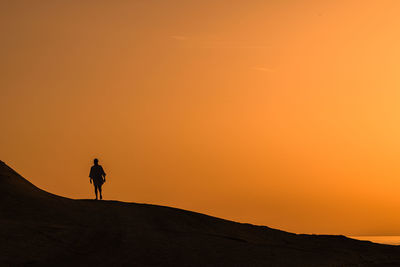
{"type": "Point", "coordinates": [98, 176]}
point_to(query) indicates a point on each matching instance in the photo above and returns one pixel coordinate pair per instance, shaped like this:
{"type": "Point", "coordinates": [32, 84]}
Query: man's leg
{"type": "Point", "coordinates": [101, 197]}
{"type": "Point", "coordinates": [95, 189]}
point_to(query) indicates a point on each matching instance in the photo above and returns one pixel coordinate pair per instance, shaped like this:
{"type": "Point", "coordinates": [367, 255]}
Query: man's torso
{"type": "Point", "coordinates": [96, 172]}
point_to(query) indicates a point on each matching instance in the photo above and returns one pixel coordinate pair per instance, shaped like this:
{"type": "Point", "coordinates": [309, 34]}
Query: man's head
{"type": "Point", "coordinates": [96, 161]}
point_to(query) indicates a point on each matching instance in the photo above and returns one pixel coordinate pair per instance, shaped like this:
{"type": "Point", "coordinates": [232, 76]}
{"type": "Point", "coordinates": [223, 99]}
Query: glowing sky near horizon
{"type": "Point", "coordinates": [280, 113]}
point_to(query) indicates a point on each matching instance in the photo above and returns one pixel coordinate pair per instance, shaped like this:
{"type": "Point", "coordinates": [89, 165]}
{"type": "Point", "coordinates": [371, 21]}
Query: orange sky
{"type": "Point", "coordinates": [280, 113]}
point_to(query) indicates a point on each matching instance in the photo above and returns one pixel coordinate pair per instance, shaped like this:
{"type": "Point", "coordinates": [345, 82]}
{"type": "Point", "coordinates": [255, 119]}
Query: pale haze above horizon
{"type": "Point", "coordinates": [277, 113]}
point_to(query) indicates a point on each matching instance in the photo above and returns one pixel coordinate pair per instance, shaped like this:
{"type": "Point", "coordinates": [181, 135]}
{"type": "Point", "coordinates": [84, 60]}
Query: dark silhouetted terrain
{"type": "Point", "coordinates": [38, 228]}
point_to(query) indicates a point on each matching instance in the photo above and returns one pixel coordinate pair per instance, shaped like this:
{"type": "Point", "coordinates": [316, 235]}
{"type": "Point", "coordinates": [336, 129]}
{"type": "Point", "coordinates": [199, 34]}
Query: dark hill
{"type": "Point", "coordinates": [38, 228]}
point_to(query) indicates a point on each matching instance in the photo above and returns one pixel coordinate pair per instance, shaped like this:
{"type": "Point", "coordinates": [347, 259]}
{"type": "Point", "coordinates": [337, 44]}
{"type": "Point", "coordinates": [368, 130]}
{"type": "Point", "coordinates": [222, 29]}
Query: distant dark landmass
{"type": "Point", "coordinates": [41, 229]}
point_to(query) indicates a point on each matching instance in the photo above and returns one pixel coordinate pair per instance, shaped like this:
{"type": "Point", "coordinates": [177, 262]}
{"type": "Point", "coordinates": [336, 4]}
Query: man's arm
{"type": "Point", "coordinates": [103, 174]}
{"type": "Point", "coordinates": [90, 175]}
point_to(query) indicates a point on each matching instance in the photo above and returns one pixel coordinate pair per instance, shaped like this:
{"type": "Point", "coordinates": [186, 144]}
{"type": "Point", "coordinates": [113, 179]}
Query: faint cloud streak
{"type": "Point", "coordinates": [235, 45]}
{"type": "Point", "coordinates": [179, 37]}
{"type": "Point", "coordinates": [264, 69]}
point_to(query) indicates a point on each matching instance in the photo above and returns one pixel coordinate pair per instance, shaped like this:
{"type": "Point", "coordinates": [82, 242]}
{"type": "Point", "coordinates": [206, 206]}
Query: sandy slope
{"type": "Point", "coordinates": [38, 228]}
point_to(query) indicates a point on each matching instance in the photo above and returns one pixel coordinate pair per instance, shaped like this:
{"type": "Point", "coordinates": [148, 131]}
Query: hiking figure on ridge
{"type": "Point", "coordinates": [98, 176]}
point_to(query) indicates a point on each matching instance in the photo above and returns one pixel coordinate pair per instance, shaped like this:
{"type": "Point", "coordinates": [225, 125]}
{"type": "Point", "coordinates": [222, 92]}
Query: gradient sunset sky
{"type": "Point", "coordinates": [279, 113]}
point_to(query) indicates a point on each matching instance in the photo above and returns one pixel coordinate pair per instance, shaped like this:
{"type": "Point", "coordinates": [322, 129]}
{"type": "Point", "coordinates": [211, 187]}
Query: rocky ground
{"type": "Point", "coordinates": [40, 229]}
